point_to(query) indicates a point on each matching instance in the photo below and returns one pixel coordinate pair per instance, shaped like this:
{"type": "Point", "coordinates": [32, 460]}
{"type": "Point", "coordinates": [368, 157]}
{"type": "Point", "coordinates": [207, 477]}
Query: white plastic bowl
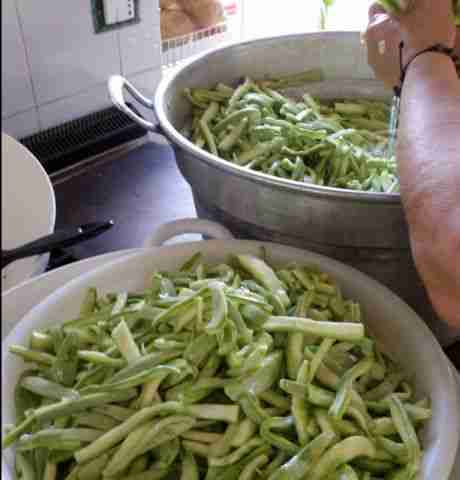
{"type": "Point", "coordinates": [400, 331]}
{"type": "Point", "coordinates": [28, 209]}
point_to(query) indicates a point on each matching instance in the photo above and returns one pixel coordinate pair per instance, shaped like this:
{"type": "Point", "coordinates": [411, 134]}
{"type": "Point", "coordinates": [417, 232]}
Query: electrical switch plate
{"type": "Point", "coordinates": [113, 14]}
{"type": "Point", "coordinates": [117, 11]}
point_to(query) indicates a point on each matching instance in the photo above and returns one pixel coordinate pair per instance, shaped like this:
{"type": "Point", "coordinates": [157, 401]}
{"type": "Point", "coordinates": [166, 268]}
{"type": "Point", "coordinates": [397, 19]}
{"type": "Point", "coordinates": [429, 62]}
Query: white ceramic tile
{"type": "Point", "coordinates": [66, 56]}
{"type": "Point", "coordinates": [140, 44]}
{"type": "Point", "coordinates": [16, 85]}
{"type": "Point", "coordinates": [67, 109]}
{"type": "Point", "coordinates": [146, 83]}
{"type": "Point", "coordinates": [22, 124]}
{"type": "Point", "coordinates": [155, 6]}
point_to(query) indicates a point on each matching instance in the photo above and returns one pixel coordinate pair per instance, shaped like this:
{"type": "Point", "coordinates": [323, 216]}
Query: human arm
{"type": "Point", "coordinates": [429, 158]}
{"type": "Point", "coordinates": [428, 148]}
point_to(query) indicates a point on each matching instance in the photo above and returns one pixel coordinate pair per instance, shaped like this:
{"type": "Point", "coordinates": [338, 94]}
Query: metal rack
{"type": "Point", "coordinates": [178, 49]}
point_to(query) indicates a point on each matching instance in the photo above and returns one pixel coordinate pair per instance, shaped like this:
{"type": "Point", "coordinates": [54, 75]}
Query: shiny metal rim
{"type": "Point", "coordinates": [256, 177]}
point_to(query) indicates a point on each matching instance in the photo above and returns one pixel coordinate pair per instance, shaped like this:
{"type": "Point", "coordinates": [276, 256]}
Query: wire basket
{"type": "Point", "coordinates": [176, 50]}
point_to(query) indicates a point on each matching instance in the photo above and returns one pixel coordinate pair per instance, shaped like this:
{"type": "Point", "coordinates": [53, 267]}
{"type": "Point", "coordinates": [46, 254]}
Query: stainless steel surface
{"type": "Point", "coordinates": [116, 86]}
{"type": "Point", "coordinates": [367, 230]}
{"type": "Point", "coordinates": [176, 50]}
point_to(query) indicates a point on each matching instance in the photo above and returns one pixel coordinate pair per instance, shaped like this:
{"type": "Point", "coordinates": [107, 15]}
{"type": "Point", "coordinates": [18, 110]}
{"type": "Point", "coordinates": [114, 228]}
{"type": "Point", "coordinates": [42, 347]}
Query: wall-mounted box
{"type": "Point", "coordinates": [113, 14]}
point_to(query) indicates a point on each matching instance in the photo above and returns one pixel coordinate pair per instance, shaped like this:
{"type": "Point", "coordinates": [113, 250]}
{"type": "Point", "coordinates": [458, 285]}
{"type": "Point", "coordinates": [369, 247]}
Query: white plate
{"type": "Point", "coordinates": [17, 301]}
{"type": "Point", "coordinates": [386, 315]}
{"type": "Point", "coordinates": [28, 209]}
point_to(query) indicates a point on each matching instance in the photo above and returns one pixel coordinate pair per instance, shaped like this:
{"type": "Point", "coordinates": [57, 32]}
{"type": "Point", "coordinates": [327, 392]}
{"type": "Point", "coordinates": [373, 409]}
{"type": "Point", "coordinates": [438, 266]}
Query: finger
{"type": "Point", "coordinates": [373, 57]}
{"type": "Point", "coordinates": [381, 20]}
{"type": "Point", "coordinates": [383, 28]}
{"type": "Point", "coordinates": [382, 46]}
{"type": "Point", "coordinates": [374, 45]}
{"type": "Point", "coordinates": [375, 9]}
{"type": "Point", "coordinates": [378, 29]}
{"type": "Point", "coordinates": [382, 65]}
{"type": "Point", "coordinates": [372, 51]}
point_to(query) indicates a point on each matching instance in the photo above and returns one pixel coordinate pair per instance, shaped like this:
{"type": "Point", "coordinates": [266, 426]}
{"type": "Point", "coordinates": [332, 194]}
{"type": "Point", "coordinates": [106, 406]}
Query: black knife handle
{"type": "Point", "coordinates": [63, 238]}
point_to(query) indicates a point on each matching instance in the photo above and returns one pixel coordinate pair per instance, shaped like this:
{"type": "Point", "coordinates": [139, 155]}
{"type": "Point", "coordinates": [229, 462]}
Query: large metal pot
{"type": "Point", "coordinates": [366, 230]}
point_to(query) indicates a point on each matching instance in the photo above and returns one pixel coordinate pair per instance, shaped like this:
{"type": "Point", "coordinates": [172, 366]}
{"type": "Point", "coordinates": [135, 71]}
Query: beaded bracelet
{"type": "Point", "coordinates": [396, 104]}
{"type": "Point", "coordinates": [437, 48]}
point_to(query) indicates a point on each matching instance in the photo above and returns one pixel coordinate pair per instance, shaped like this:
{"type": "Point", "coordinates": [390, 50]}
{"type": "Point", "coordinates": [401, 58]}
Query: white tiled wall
{"type": "Point", "coordinates": [17, 95]}
{"type": "Point", "coordinates": [146, 82]}
{"type": "Point", "coordinates": [140, 45]}
{"type": "Point", "coordinates": [22, 124]}
{"type": "Point", "coordinates": [74, 106]}
{"type": "Point", "coordinates": [55, 68]}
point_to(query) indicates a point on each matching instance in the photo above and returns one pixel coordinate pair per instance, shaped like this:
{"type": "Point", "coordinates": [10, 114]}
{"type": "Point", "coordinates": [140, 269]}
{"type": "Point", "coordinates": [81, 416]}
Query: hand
{"type": "Point", "coordinates": [426, 24]}
{"type": "Point", "coordinates": [382, 38]}
{"type": "Point", "coordinates": [457, 45]}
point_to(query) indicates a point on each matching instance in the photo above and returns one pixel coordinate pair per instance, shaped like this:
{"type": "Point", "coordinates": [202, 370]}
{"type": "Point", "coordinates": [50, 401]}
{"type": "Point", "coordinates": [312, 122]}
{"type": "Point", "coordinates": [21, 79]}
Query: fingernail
{"type": "Point", "coordinates": [379, 19]}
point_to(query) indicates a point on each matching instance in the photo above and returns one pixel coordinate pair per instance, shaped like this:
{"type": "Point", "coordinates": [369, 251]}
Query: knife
{"type": "Point", "coordinates": [59, 239]}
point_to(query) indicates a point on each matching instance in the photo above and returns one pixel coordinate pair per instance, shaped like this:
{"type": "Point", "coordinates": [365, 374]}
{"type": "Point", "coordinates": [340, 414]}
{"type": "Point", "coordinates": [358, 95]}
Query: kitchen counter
{"type": "Point", "coordinates": [140, 188]}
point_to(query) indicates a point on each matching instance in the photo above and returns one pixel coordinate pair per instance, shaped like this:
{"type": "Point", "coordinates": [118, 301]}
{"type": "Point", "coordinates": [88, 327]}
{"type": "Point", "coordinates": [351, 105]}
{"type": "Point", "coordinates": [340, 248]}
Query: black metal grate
{"type": "Point", "coordinates": [70, 143]}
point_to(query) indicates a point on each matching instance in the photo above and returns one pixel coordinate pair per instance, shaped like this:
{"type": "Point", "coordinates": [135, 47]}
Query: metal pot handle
{"type": "Point", "coordinates": [187, 225]}
{"type": "Point", "coordinates": [116, 85]}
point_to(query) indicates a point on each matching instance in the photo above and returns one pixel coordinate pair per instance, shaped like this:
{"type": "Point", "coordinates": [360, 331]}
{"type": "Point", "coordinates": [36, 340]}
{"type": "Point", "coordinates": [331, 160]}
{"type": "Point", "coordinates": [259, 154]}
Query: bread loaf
{"type": "Point", "coordinates": [170, 5]}
{"type": "Point", "coordinates": [205, 13]}
{"type": "Point", "coordinates": [176, 23]}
